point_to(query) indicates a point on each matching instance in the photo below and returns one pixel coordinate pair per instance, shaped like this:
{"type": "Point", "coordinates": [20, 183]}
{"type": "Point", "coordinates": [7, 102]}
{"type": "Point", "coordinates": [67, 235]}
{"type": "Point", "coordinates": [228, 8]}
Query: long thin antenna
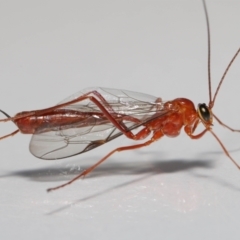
{"type": "Point", "coordinates": [209, 51]}
{"type": "Point", "coordinates": [225, 150]}
{"type": "Point", "coordinates": [223, 77]}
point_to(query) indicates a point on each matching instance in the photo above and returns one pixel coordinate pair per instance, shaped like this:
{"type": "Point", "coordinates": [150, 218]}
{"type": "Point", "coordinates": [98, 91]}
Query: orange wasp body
{"type": "Point", "coordinates": [95, 116]}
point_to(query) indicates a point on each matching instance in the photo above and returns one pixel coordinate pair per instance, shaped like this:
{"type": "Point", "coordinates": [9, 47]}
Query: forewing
{"type": "Point", "coordinates": [133, 108]}
{"type": "Point", "coordinates": [65, 143]}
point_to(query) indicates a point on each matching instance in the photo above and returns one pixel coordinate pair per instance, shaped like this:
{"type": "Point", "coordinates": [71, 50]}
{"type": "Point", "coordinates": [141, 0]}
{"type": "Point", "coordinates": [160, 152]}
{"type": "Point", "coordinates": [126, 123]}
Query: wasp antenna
{"type": "Point", "coordinates": [223, 77]}
{"type": "Point", "coordinates": [212, 101]}
{"type": "Point", "coordinates": [209, 51]}
{"type": "Point", "coordinates": [225, 150]}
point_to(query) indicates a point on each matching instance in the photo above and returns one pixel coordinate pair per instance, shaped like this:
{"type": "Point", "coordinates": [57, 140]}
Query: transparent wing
{"type": "Point", "coordinates": [131, 108]}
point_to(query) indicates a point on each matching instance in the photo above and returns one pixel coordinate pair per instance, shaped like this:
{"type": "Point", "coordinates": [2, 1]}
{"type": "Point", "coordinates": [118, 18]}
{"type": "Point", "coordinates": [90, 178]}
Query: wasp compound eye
{"type": "Point", "coordinates": [204, 112]}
